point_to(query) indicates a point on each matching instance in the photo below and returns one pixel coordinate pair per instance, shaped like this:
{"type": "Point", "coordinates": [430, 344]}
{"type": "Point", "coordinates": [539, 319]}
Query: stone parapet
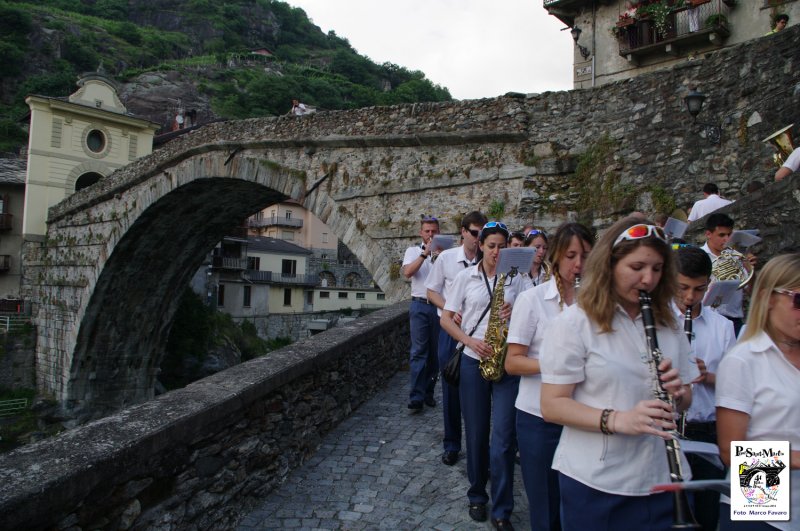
{"type": "Point", "coordinates": [195, 458]}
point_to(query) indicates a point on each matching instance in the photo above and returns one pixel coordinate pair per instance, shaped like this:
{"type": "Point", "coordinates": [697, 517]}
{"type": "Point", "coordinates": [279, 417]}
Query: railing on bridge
{"type": "Point", "coordinates": [13, 406]}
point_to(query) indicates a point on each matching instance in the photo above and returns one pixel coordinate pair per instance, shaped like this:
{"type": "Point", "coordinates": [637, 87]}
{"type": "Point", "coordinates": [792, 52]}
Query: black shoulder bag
{"type": "Point", "coordinates": [452, 370]}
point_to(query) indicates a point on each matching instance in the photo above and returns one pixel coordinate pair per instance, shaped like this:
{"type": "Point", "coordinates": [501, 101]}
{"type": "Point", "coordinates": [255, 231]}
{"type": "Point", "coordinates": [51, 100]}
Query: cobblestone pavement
{"type": "Point", "coordinates": [379, 469]}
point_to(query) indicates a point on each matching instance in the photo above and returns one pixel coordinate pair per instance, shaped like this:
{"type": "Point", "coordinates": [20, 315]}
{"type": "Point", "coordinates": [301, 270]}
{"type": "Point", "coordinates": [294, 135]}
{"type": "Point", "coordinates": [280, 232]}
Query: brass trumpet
{"type": "Point", "coordinates": [782, 142]}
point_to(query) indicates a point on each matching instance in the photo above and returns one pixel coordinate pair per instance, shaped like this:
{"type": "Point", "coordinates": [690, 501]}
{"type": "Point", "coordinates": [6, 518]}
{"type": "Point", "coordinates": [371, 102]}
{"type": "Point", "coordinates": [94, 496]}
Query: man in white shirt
{"type": "Point", "coordinates": [440, 280]}
{"type": "Point", "coordinates": [711, 335]}
{"type": "Point", "coordinates": [711, 201]}
{"type": "Point", "coordinates": [790, 166]}
{"type": "Point", "coordinates": [719, 228]}
{"type": "Point", "coordinates": [423, 320]}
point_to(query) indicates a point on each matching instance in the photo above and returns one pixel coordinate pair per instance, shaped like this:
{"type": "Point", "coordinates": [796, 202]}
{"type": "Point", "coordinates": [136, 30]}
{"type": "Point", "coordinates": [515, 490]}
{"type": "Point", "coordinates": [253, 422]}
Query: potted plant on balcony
{"type": "Point", "coordinates": [625, 20]}
{"type": "Point", "coordinates": [717, 20]}
{"type": "Point", "coordinates": [660, 12]}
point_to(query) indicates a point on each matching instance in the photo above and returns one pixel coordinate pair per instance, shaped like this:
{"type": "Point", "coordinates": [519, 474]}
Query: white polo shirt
{"type": "Point", "coordinates": [793, 160]}
{"type": "Point", "coordinates": [449, 264]}
{"type": "Point", "coordinates": [533, 310]}
{"type": "Point", "coordinates": [418, 279]}
{"type": "Point", "coordinates": [732, 308]}
{"type": "Point", "coordinates": [469, 296]}
{"type": "Point", "coordinates": [706, 206]}
{"type": "Point", "coordinates": [713, 337]}
{"type": "Point", "coordinates": [754, 377]}
{"type": "Point", "coordinates": [610, 370]}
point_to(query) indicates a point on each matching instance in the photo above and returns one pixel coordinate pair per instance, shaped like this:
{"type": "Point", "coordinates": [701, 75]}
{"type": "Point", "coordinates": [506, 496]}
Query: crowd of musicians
{"type": "Point", "coordinates": [591, 396]}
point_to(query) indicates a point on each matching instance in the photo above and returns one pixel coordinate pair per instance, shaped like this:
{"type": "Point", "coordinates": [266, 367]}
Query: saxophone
{"type": "Point", "coordinates": [493, 367]}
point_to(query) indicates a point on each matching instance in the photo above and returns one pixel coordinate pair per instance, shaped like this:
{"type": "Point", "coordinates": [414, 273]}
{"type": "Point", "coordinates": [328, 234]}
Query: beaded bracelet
{"type": "Point", "coordinates": [604, 422]}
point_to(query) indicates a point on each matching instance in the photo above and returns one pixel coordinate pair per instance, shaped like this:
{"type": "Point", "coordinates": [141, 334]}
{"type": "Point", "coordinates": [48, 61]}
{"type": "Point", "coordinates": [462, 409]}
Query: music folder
{"type": "Point", "coordinates": [442, 242]}
{"type": "Point", "coordinates": [519, 258]}
{"type": "Point", "coordinates": [675, 228]}
{"type": "Point", "coordinates": [719, 292]}
{"type": "Point", "coordinates": [744, 238]}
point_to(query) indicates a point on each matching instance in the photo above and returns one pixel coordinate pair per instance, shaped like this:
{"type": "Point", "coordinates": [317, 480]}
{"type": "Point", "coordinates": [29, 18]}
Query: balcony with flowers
{"type": "Point", "coordinates": [658, 27]}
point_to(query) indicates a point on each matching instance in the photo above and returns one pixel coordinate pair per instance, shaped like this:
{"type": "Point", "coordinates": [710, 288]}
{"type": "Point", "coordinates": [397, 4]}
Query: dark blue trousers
{"type": "Point", "coordinates": [423, 362]}
{"type": "Point", "coordinates": [451, 404]}
{"type": "Point", "coordinates": [537, 440]}
{"type": "Point", "coordinates": [583, 507]}
{"type": "Point", "coordinates": [489, 412]}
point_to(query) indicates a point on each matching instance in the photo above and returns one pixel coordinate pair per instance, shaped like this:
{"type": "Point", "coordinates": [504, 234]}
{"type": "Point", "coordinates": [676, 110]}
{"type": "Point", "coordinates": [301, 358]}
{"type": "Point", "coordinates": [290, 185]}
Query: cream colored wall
{"type": "Point", "coordinates": [274, 262]}
{"type": "Point", "coordinates": [748, 20]}
{"type": "Point", "coordinates": [334, 303]}
{"type": "Point", "coordinates": [313, 231]}
{"type": "Point", "coordinates": [276, 300]}
{"type": "Point", "coordinates": [57, 151]}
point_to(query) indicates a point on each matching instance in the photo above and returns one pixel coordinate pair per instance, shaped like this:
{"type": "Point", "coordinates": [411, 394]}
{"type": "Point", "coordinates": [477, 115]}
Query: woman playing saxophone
{"type": "Point", "coordinates": [597, 383]}
{"type": "Point", "coordinates": [485, 403]}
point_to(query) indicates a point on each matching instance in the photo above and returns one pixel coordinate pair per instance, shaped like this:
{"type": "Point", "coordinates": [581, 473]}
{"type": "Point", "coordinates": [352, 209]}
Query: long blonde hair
{"type": "Point", "coordinates": [597, 295]}
{"type": "Point", "coordinates": [782, 272]}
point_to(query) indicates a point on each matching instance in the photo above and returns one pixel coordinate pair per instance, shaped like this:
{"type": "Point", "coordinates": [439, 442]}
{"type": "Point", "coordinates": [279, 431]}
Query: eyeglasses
{"type": "Point", "coordinates": [475, 233]}
{"type": "Point", "coordinates": [795, 295]}
{"type": "Point", "coordinates": [676, 246]}
{"type": "Point", "coordinates": [640, 231]}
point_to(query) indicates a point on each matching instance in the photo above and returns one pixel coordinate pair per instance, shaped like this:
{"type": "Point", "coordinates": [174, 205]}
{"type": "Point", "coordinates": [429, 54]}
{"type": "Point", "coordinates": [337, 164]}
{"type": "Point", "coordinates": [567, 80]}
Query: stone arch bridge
{"type": "Point", "coordinates": [106, 281]}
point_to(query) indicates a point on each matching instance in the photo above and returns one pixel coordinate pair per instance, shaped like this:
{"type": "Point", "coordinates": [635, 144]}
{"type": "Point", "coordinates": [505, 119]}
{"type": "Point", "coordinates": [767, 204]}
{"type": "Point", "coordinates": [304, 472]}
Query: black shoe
{"type": "Point", "coordinates": [477, 511]}
{"type": "Point", "coordinates": [430, 401]}
{"type": "Point", "coordinates": [415, 406]}
{"type": "Point", "coordinates": [502, 523]}
{"type": "Point", "coordinates": [449, 458]}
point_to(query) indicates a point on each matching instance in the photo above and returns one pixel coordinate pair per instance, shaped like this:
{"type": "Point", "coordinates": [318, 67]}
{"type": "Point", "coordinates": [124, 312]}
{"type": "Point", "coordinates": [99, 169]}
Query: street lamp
{"type": "Point", "coordinates": [576, 34]}
{"type": "Point", "coordinates": [694, 104]}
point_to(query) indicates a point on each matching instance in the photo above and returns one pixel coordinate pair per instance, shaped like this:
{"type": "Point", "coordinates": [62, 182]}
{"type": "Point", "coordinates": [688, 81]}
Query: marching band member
{"type": "Point", "coordinates": [758, 382]}
{"type": "Point", "coordinates": [538, 240]}
{"type": "Point", "coordinates": [516, 239]}
{"type": "Point", "coordinates": [536, 438]}
{"type": "Point", "coordinates": [712, 336]}
{"type": "Point", "coordinates": [488, 407]}
{"type": "Point", "coordinates": [597, 383]}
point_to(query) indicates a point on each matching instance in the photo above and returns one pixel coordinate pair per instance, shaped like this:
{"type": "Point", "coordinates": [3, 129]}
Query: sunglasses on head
{"type": "Point", "coordinates": [431, 219]}
{"type": "Point", "coordinates": [795, 295]}
{"type": "Point", "coordinates": [640, 231]}
{"type": "Point", "coordinates": [535, 233]}
{"type": "Point", "coordinates": [495, 225]}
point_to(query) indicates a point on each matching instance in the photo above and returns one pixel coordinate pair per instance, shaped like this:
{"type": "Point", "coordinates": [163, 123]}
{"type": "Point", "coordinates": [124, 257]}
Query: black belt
{"type": "Point", "coordinates": [423, 300]}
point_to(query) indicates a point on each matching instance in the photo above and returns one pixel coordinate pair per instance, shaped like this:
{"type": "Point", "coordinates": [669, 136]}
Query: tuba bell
{"type": "Point", "coordinates": [782, 142]}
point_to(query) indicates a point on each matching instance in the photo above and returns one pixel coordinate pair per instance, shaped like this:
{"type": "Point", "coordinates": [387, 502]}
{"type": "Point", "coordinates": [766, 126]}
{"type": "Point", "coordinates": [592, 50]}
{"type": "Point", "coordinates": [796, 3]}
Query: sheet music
{"type": "Point", "coordinates": [442, 242]}
{"type": "Point", "coordinates": [520, 258]}
{"type": "Point", "coordinates": [675, 228]}
{"type": "Point", "coordinates": [744, 238]}
{"type": "Point", "coordinates": [719, 292]}
{"type": "Point", "coordinates": [708, 451]}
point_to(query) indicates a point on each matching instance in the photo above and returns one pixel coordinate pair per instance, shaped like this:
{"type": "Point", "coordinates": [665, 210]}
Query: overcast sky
{"type": "Point", "coordinates": [475, 48]}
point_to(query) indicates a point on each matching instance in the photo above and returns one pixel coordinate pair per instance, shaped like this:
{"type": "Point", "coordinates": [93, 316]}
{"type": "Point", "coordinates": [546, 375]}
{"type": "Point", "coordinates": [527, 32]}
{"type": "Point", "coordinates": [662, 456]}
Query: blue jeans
{"type": "Point", "coordinates": [537, 440]}
{"type": "Point", "coordinates": [451, 404]}
{"type": "Point", "coordinates": [423, 366]}
{"type": "Point", "coordinates": [489, 406]}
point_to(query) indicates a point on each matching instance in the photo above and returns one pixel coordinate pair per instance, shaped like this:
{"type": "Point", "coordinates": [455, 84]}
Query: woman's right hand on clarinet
{"type": "Point", "coordinates": [650, 417]}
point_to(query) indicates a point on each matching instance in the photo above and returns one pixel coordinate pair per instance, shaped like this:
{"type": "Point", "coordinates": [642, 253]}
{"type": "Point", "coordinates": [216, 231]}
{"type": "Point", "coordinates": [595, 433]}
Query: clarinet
{"type": "Point", "coordinates": [577, 282]}
{"type": "Point", "coordinates": [682, 517]}
{"type": "Point", "coordinates": [687, 329]}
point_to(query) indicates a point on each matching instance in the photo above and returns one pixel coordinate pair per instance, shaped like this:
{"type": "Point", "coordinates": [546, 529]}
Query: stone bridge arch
{"type": "Point", "coordinates": [105, 281]}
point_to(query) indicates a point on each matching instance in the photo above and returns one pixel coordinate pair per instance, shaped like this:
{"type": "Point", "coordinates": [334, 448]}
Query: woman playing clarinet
{"type": "Point", "coordinates": [601, 375]}
{"type": "Point", "coordinates": [534, 308]}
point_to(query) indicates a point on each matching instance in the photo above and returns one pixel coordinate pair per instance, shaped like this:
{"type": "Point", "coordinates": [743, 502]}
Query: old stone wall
{"type": "Point", "coordinates": [17, 354]}
{"type": "Point", "coordinates": [195, 458]}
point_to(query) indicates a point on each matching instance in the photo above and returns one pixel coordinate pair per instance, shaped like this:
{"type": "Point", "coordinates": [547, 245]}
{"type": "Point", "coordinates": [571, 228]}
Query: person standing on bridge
{"type": "Point", "coordinates": [758, 381]}
{"type": "Point", "coordinates": [488, 406]}
{"type": "Point", "coordinates": [424, 321]}
{"type": "Point", "coordinates": [439, 284]}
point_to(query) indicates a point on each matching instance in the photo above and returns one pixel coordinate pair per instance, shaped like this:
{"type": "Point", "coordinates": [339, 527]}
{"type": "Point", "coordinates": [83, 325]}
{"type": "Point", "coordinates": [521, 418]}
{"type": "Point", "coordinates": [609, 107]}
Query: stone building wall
{"type": "Point", "coordinates": [16, 359]}
{"type": "Point", "coordinates": [196, 458]}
